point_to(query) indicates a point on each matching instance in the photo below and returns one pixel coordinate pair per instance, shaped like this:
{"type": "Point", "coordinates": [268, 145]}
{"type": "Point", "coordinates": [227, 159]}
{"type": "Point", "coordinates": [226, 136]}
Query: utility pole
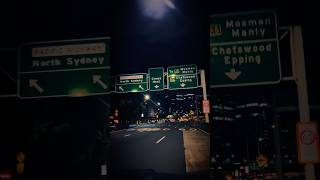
{"type": "Point", "coordinates": [147, 113]}
{"type": "Point", "coordinates": [204, 91]}
{"type": "Point", "coordinates": [196, 106]}
{"type": "Point", "coordinates": [276, 137]}
{"type": "Point", "coordinates": [297, 55]}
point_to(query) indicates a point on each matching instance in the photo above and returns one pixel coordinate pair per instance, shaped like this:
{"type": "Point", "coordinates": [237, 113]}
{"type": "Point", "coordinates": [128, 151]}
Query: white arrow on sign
{"type": "Point", "coordinates": [233, 74]}
{"type": "Point", "coordinates": [120, 87]}
{"type": "Point", "coordinates": [141, 87]}
{"type": "Point", "coordinates": [97, 79]}
{"type": "Point", "coordinates": [33, 83]}
{"type": "Point", "coordinates": [156, 86]}
{"type": "Point", "coordinates": [183, 85]}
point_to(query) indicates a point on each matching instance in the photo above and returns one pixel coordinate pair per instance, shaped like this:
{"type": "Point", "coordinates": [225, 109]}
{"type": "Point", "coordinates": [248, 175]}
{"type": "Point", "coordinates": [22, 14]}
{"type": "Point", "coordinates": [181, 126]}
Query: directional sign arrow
{"type": "Point", "coordinates": [141, 87]}
{"type": "Point", "coordinates": [233, 74]}
{"type": "Point", "coordinates": [97, 79]}
{"type": "Point", "coordinates": [120, 87]}
{"type": "Point", "coordinates": [182, 84]}
{"type": "Point", "coordinates": [156, 86]}
{"type": "Point", "coordinates": [33, 83]}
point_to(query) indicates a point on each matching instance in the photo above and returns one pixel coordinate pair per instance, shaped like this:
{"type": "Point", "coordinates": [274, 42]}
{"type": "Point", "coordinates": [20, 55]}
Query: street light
{"type": "Point", "coordinates": [146, 97]}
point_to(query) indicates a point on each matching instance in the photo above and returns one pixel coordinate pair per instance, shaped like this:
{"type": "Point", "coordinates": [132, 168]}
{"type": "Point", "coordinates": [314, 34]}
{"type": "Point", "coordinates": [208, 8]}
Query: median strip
{"type": "Point", "coordinates": [197, 150]}
{"type": "Point", "coordinates": [160, 139]}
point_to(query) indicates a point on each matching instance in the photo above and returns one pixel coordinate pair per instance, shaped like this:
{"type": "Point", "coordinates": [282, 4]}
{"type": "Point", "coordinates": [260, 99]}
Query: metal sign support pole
{"type": "Point", "coordinates": [204, 91]}
{"type": "Point", "coordinates": [297, 54]}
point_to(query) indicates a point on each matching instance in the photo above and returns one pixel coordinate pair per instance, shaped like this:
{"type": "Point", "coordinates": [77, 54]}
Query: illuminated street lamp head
{"type": "Point", "coordinates": [158, 104]}
{"type": "Point", "coordinates": [146, 97]}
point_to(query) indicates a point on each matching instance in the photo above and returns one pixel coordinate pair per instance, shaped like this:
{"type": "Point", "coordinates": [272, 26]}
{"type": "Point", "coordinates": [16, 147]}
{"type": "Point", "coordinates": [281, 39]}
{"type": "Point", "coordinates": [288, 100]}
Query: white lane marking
{"type": "Point", "coordinates": [127, 135]}
{"type": "Point", "coordinates": [204, 131]}
{"type": "Point", "coordinates": [113, 131]}
{"type": "Point", "coordinates": [160, 139]}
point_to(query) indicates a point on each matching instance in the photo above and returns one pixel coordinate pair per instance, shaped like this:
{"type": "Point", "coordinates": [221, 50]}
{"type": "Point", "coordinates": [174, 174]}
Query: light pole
{"type": "Point", "coordinates": [146, 99]}
{"type": "Point", "coordinates": [156, 103]}
{"type": "Point", "coordinates": [260, 139]}
{"type": "Point", "coordinates": [196, 102]}
{"type": "Point", "coordinates": [142, 117]}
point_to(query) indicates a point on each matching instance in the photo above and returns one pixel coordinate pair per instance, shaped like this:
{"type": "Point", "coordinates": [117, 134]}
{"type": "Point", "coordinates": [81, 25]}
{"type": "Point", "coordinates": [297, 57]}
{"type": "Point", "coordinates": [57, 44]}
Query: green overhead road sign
{"type": "Point", "coordinates": [64, 68]}
{"type": "Point", "coordinates": [244, 49]}
{"type": "Point", "coordinates": [156, 80]}
{"type": "Point", "coordinates": [131, 83]}
{"type": "Point", "coordinates": [182, 77]}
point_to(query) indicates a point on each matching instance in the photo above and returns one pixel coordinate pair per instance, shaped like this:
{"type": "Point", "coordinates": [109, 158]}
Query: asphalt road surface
{"type": "Point", "coordinates": [157, 149]}
{"type": "Point", "coordinates": [152, 152]}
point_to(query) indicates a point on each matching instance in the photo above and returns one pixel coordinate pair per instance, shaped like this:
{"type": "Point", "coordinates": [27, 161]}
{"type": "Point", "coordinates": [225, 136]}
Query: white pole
{"type": "Point", "coordinates": [297, 54]}
{"type": "Point", "coordinates": [204, 91]}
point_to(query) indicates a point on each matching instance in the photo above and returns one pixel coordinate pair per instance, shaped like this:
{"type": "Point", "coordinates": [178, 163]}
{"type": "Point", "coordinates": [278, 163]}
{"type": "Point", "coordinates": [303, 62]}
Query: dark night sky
{"type": "Point", "coordinates": [139, 42]}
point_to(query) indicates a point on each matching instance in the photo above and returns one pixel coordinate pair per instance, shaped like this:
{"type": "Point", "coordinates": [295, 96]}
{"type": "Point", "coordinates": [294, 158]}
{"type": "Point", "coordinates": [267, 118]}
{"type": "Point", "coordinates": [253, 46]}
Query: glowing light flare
{"type": "Point", "coordinates": [78, 92]}
{"type": "Point", "coordinates": [134, 90]}
{"type": "Point", "coordinates": [170, 4]}
{"type": "Point", "coordinates": [156, 9]}
{"type": "Point", "coordinates": [146, 97]}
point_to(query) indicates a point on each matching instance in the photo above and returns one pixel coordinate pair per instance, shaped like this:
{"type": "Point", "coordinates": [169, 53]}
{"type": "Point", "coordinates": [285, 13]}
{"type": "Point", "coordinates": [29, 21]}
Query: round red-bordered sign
{"type": "Point", "coordinates": [307, 137]}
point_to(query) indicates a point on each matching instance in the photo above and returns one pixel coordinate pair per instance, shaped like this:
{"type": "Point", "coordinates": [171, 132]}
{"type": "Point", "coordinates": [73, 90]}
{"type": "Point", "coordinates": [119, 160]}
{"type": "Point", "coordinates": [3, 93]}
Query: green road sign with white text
{"type": "Point", "coordinates": [156, 80]}
{"type": "Point", "coordinates": [244, 49]}
{"type": "Point", "coordinates": [182, 77]}
{"type": "Point", "coordinates": [131, 83]}
{"type": "Point", "coordinates": [64, 68]}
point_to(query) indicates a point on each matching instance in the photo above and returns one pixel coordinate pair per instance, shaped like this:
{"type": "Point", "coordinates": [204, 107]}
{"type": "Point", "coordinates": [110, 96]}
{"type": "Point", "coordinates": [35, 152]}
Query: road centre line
{"type": "Point", "coordinates": [160, 139]}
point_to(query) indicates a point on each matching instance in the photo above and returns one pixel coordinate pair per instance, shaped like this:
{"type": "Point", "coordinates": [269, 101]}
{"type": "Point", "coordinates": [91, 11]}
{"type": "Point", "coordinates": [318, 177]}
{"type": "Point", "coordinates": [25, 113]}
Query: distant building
{"type": "Point", "coordinates": [242, 129]}
{"type": "Point", "coordinates": [244, 125]}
